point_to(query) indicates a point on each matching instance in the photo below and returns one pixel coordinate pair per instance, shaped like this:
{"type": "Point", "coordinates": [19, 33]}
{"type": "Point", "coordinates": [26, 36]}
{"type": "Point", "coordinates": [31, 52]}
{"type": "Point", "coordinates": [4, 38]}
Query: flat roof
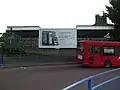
{"type": "Point", "coordinates": [58, 28]}
{"type": "Point", "coordinates": [78, 27]}
{"type": "Point", "coordinates": [15, 28]}
{"type": "Point", "coordinates": [21, 26]}
{"type": "Point", "coordinates": [90, 27]}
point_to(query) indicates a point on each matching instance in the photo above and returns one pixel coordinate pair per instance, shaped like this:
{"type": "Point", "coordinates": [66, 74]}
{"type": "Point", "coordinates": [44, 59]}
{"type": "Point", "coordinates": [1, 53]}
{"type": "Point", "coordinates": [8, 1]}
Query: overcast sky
{"type": "Point", "coordinates": [49, 13]}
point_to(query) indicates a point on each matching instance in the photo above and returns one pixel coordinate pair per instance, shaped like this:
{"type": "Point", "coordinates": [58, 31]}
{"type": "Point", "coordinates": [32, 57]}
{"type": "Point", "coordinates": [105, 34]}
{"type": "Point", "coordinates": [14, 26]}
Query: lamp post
{"type": "Point", "coordinates": [10, 34]}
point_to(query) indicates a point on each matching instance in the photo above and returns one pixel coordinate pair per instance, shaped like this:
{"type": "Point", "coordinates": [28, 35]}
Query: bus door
{"type": "Point", "coordinates": [80, 51]}
{"type": "Point", "coordinates": [118, 54]}
{"type": "Point", "coordinates": [95, 56]}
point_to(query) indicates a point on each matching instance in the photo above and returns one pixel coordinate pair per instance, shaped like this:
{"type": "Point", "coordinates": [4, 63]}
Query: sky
{"type": "Point", "coordinates": [50, 13]}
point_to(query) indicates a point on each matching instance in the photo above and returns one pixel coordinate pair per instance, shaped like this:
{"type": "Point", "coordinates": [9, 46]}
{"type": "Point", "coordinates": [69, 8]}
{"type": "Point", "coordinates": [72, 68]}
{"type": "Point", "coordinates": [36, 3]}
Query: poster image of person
{"type": "Point", "coordinates": [49, 38]}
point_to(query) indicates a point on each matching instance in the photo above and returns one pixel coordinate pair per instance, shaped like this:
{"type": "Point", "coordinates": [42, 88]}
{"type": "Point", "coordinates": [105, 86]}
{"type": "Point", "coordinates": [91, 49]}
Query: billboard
{"type": "Point", "coordinates": [57, 38]}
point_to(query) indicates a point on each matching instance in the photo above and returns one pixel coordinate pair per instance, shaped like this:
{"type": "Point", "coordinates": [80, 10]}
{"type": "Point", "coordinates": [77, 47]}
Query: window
{"type": "Point", "coordinates": [90, 49]}
{"type": "Point", "coordinates": [109, 50]}
{"type": "Point", "coordinates": [117, 50]}
{"type": "Point", "coordinates": [94, 49]}
{"type": "Point", "coordinates": [97, 49]}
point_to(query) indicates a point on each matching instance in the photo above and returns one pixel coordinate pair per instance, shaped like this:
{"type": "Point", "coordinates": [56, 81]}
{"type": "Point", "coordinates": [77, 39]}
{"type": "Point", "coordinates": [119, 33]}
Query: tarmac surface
{"type": "Point", "coordinates": [52, 77]}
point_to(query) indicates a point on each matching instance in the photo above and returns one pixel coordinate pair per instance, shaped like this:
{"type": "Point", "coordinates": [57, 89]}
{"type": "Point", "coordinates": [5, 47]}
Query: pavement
{"type": "Point", "coordinates": [36, 64]}
{"type": "Point", "coordinates": [52, 76]}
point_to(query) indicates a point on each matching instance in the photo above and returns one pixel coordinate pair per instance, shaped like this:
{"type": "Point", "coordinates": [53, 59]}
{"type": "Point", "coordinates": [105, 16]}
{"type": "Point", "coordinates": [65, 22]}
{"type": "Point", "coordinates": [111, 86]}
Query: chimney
{"type": "Point", "coordinates": [104, 18]}
{"type": "Point", "coordinates": [101, 20]}
{"type": "Point", "coordinates": [97, 19]}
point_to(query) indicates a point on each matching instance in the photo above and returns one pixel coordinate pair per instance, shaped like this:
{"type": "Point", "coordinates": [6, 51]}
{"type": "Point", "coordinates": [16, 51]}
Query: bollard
{"type": "Point", "coordinates": [90, 84]}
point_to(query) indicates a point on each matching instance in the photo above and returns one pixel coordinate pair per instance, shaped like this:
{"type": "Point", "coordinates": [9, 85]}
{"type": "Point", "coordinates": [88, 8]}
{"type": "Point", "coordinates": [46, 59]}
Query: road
{"type": "Point", "coordinates": [47, 77]}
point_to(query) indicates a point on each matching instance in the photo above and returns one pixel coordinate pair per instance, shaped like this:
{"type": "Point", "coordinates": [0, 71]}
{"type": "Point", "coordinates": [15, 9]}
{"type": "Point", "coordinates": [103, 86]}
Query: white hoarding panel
{"type": "Point", "coordinates": [60, 38]}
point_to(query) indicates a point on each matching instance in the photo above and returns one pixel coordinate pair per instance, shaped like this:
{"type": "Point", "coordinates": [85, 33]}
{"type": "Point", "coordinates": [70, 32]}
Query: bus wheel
{"type": "Point", "coordinates": [107, 64]}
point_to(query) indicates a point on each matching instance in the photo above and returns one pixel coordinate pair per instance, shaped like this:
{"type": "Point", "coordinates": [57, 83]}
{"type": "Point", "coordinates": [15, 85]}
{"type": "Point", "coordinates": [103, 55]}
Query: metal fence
{"type": "Point", "coordinates": [90, 79]}
{"type": "Point", "coordinates": [41, 56]}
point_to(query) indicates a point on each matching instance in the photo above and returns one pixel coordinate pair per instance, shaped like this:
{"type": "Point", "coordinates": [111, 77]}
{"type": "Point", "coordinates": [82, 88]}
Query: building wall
{"type": "Point", "coordinates": [35, 54]}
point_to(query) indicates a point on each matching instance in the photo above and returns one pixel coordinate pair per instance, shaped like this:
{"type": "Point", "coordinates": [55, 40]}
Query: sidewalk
{"type": "Point", "coordinates": [36, 64]}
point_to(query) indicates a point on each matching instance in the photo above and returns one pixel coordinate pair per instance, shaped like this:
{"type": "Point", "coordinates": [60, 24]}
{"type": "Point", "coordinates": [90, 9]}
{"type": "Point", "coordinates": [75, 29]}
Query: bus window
{"type": "Point", "coordinates": [94, 49]}
{"type": "Point", "coordinates": [117, 50]}
{"type": "Point", "coordinates": [109, 50]}
{"type": "Point", "coordinates": [97, 49]}
{"type": "Point", "coordinates": [90, 49]}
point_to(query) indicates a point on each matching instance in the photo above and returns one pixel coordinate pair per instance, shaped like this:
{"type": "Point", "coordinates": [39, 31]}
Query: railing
{"type": "Point", "coordinates": [89, 80]}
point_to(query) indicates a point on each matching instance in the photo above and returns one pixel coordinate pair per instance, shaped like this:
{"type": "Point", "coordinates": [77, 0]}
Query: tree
{"type": "Point", "coordinates": [11, 44]}
{"type": "Point", "coordinates": [113, 13]}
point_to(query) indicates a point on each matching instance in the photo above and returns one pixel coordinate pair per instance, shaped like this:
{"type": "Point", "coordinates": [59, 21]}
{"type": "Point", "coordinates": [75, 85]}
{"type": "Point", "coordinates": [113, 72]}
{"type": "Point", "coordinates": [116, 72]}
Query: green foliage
{"type": "Point", "coordinates": [11, 44]}
{"type": "Point", "coordinates": [113, 13]}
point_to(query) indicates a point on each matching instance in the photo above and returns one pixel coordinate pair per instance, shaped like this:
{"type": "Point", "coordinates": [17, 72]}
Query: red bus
{"type": "Point", "coordinates": [98, 53]}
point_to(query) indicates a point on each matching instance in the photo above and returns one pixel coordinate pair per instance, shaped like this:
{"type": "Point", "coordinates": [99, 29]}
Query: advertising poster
{"type": "Point", "coordinates": [57, 38]}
